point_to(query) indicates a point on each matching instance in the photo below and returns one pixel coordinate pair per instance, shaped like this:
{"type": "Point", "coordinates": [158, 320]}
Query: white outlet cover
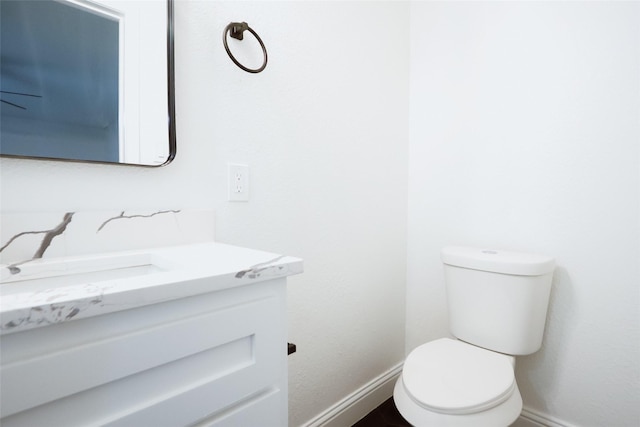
{"type": "Point", "coordinates": [238, 182]}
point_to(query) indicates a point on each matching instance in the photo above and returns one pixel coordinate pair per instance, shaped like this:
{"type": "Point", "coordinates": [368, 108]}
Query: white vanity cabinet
{"type": "Point", "coordinates": [215, 358]}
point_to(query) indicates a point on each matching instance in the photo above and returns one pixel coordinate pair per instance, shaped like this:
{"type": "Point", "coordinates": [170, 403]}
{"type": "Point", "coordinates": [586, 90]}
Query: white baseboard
{"type": "Point", "coordinates": [532, 418]}
{"type": "Point", "coordinates": [352, 408]}
{"type": "Point", "coordinates": [355, 406]}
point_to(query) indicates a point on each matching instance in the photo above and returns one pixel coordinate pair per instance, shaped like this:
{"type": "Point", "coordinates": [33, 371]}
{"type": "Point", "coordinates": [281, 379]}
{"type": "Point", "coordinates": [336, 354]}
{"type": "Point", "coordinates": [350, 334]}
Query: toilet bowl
{"type": "Point", "coordinates": [497, 305]}
{"type": "Point", "coordinates": [449, 383]}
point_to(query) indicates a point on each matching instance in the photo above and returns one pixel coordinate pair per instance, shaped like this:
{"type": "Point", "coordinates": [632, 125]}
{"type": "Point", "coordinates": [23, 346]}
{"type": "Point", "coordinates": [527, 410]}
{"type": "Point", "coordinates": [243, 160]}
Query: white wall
{"type": "Point", "coordinates": [525, 134]}
{"type": "Point", "coordinates": [325, 132]}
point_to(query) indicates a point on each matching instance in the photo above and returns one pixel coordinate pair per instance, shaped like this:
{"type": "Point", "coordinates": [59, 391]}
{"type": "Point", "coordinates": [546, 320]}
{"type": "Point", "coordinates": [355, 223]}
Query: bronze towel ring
{"type": "Point", "coordinates": [237, 29]}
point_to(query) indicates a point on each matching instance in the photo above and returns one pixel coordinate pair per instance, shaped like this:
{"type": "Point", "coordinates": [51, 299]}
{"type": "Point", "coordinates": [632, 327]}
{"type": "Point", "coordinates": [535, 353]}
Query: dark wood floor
{"type": "Point", "coordinates": [385, 415]}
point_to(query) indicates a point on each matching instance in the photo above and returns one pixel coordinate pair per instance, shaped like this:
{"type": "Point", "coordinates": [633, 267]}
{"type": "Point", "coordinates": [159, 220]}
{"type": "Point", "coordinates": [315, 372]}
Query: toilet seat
{"type": "Point", "coordinates": [451, 377]}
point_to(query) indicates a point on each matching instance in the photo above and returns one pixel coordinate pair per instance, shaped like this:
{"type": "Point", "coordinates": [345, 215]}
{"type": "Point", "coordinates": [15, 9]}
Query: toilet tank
{"type": "Point", "coordinates": [497, 299]}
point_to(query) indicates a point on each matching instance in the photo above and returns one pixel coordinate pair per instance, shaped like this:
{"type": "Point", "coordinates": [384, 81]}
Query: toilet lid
{"type": "Point", "coordinates": [453, 377]}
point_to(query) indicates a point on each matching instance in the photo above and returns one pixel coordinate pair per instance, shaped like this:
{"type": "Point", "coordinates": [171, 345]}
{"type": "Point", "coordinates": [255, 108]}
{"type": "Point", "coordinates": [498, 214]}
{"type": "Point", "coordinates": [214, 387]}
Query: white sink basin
{"type": "Point", "coordinates": [49, 291]}
{"type": "Point", "coordinates": [43, 274]}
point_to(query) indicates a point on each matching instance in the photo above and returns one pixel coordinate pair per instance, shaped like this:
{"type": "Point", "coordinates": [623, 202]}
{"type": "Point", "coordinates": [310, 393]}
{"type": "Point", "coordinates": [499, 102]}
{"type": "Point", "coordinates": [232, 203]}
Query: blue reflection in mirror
{"type": "Point", "coordinates": [59, 81]}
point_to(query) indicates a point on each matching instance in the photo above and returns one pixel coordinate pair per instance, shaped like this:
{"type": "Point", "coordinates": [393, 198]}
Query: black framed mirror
{"type": "Point", "coordinates": [88, 81]}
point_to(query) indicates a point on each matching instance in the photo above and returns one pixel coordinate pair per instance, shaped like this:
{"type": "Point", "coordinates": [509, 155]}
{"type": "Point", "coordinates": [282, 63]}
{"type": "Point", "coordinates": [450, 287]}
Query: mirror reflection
{"type": "Point", "coordinates": [87, 80]}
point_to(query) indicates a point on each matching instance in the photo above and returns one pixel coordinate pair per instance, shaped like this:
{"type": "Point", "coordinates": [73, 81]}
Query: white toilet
{"type": "Point", "coordinates": [497, 303]}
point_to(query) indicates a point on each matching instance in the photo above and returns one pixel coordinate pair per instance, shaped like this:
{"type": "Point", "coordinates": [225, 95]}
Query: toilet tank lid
{"type": "Point", "coordinates": [498, 261]}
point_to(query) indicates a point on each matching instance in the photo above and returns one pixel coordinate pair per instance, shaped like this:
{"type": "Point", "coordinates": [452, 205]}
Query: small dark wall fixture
{"type": "Point", "coordinates": [236, 30]}
{"type": "Point", "coordinates": [291, 348]}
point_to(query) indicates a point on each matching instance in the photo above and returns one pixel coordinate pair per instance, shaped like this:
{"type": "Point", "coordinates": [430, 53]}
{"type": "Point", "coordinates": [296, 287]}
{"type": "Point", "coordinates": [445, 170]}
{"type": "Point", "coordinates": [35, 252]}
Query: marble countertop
{"type": "Point", "coordinates": [46, 291]}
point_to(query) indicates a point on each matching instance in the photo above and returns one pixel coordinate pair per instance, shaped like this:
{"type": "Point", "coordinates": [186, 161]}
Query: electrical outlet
{"type": "Point", "coordinates": [238, 177]}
